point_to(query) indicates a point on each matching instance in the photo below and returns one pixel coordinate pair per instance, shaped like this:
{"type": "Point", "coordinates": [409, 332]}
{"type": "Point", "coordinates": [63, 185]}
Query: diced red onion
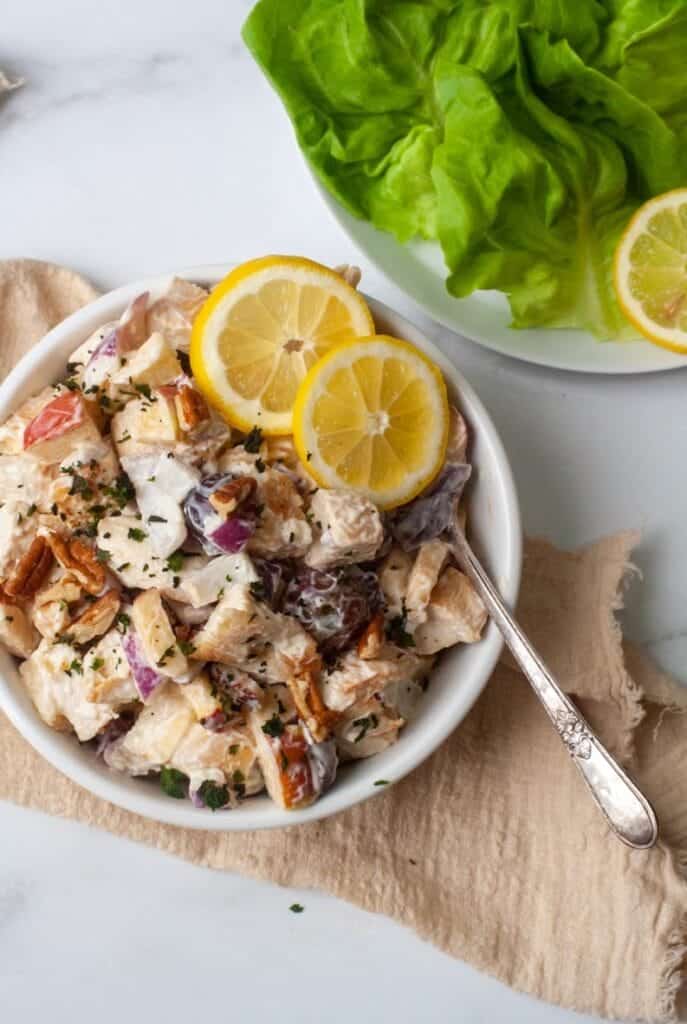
{"type": "Point", "coordinates": [430, 515]}
{"type": "Point", "coordinates": [233, 534]}
{"type": "Point", "coordinates": [146, 678]}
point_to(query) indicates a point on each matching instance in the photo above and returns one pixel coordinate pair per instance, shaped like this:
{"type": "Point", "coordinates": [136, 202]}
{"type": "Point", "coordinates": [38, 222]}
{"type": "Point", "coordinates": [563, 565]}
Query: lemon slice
{"type": "Point", "coordinates": [372, 416]}
{"type": "Point", "coordinates": [650, 270]}
{"type": "Point", "coordinates": [261, 330]}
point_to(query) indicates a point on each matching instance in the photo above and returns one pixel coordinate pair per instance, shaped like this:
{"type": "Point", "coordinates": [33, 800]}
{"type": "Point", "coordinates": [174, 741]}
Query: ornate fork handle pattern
{"type": "Point", "coordinates": [627, 811]}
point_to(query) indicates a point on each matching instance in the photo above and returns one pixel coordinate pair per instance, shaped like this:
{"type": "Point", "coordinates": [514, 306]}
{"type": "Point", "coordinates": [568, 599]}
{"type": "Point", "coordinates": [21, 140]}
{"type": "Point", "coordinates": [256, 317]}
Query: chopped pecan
{"type": "Point", "coordinates": [191, 408]}
{"type": "Point", "coordinates": [79, 559]}
{"type": "Point", "coordinates": [305, 691]}
{"type": "Point", "coordinates": [30, 570]}
{"type": "Point", "coordinates": [96, 619]}
{"type": "Point", "coordinates": [372, 640]}
{"type": "Point", "coordinates": [225, 500]}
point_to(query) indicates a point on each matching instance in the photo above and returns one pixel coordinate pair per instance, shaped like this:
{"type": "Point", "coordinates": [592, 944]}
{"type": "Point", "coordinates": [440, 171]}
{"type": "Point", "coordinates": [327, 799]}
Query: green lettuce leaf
{"type": "Point", "coordinates": [520, 134]}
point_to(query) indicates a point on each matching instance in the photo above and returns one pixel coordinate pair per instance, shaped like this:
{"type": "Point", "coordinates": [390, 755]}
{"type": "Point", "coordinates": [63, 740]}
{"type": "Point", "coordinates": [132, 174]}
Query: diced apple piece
{"type": "Point", "coordinates": [62, 425]}
{"type": "Point", "coordinates": [153, 364]}
{"type": "Point", "coordinates": [156, 635]}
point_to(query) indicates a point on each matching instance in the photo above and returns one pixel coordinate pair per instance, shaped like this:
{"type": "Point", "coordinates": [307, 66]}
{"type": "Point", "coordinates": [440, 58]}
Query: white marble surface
{"type": "Point", "coordinates": [146, 140]}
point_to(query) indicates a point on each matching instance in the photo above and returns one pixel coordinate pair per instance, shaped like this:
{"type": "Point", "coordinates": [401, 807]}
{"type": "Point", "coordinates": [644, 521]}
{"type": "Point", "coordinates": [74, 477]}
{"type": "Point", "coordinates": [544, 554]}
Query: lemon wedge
{"type": "Point", "coordinates": [372, 416]}
{"type": "Point", "coordinates": [260, 331]}
{"type": "Point", "coordinates": [650, 270]}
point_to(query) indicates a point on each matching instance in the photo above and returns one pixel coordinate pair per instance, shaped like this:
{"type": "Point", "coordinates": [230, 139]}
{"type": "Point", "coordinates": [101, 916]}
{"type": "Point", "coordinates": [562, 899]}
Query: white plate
{"type": "Point", "coordinates": [418, 269]}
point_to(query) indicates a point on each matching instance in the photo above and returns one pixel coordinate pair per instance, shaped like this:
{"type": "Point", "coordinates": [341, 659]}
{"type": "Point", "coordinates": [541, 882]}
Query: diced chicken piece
{"type": "Point", "coordinates": [66, 423]}
{"type": "Point", "coordinates": [161, 483]}
{"type": "Point", "coordinates": [155, 735]}
{"type": "Point", "coordinates": [247, 635]}
{"type": "Point", "coordinates": [292, 777]}
{"type": "Point", "coordinates": [458, 437]}
{"type": "Point", "coordinates": [95, 619]}
{"type": "Point", "coordinates": [455, 615]}
{"type": "Point", "coordinates": [59, 686]}
{"type": "Point", "coordinates": [350, 529]}
{"type": "Point", "coordinates": [155, 633]}
{"type": "Point", "coordinates": [169, 733]}
{"type": "Point", "coordinates": [17, 531]}
{"type": "Point", "coordinates": [424, 576]}
{"type": "Point", "coordinates": [354, 679]}
{"type": "Point", "coordinates": [24, 479]}
{"type": "Point", "coordinates": [201, 581]}
{"type": "Point", "coordinates": [153, 364]}
{"type": "Point", "coordinates": [82, 482]}
{"type": "Point", "coordinates": [16, 631]}
{"type": "Point", "coordinates": [367, 728]}
{"type": "Point", "coordinates": [173, 313]}
{"type": "Point", "coordinates": [51, 612]}
{"type": "Point", "coordinates": [12, 430]}
{"type": "Point", "coordinates": [239, 462]}
{"type": "Point", "coordinates": [132, 557]}
{"type": "Point", "coordinates": [393, 579]}
{"type": "Point", "coordinates": [280, 450]}
{"type": "Point", "coordinates": [81, 355]}
{"type": "Point", "coordinates": [108, 676]}
{"type": "Point", "coordinates": [145, 423]}
{"type": "Point", "coordinates": [283, 531]}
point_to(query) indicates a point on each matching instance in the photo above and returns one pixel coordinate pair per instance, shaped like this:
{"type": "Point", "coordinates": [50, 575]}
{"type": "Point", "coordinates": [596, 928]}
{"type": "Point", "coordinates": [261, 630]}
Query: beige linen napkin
{"type": "Point", "coordinates": [492, 849]}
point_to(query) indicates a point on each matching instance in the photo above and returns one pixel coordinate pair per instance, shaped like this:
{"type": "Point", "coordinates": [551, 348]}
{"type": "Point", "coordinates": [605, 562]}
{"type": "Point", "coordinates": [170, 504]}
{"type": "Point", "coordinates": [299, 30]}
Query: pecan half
{"type": "Point", "coordinates": [96, 620]}
{"type": "Point", "coordinates": [191, 408]}
{"type": "Point", "coordinates": [225, 500]}
{"type": "Point", "coordinates": [30, 570]}
{"type": "Point", "coordinates": [372, 640]}
{"type": "Point", "coordinates": [309, 704]}
{"type": "Point", "coordinates": [79, 559]}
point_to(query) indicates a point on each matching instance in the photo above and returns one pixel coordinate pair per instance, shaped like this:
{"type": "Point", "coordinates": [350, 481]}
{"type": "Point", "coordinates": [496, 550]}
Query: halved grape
{"type": "Point", "coordinates": [333, 606]}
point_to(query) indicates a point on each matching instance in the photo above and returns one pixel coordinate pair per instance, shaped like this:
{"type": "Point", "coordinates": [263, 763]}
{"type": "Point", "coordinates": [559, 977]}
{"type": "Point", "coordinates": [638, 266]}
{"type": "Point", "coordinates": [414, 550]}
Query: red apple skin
{"type": "Point", "coordinates": [62, 414]}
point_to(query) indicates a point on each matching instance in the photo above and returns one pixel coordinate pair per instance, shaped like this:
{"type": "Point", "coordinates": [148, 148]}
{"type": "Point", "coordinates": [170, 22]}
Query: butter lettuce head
{"type": "Point", "coordinates": [519, 135]}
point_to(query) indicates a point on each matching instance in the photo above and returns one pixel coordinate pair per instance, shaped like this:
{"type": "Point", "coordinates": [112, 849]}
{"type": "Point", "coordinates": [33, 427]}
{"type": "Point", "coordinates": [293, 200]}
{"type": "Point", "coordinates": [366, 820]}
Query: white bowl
{"type": "Point", "coordinates": [457, 681]}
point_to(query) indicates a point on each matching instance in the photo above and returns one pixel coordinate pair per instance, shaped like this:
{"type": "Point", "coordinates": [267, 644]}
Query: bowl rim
{"type": "Point", "coordinates": [17, 385]}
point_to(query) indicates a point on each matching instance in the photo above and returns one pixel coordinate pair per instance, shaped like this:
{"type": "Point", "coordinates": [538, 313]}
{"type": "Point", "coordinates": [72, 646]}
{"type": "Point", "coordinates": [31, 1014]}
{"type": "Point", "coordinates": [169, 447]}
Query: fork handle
{"type": "Point", "coordinates": [627, 811]}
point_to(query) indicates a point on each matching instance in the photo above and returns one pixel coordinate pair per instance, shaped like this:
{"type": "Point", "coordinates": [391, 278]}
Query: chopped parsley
{"type": "Point", "coordinates": [382, 782]}
{"type": "Point", "coordinates": [123, 566]}
{"type": "Point", "coordinates": [296, 908]}
{"type": "Point", "coordinates": [121, 491]}
{"type": "Point", "coordinates": [156, 519]}
{"type": "Point", "coordinates": [144, 389]}
{"type": "Point", "coordinates": [257, 589]}
{"type": "Point", "coordinates": [80, 485]}
{"type": "Point", "coordinates": [260, 465]}
{"type": "Point", "coordinates": [363, 725]}
{"type": "Point", "coordinates": [173, 782]}
{"type": "Point", "coordinates": [175, 562]}
{"type": "Point", "coordinates": [253, 440]}
{"type": "Point", "coordinates": [165, 655]}
{"type": "Point", "coordinates": [398, 634]}
{"type": "Point", "coordinates": [273, 726]}
{"type": "Point", "coordinates": [213, 796]}
{"type": "Point", "coordinates": [185, 646]}
{"type": "Point", "coordinates": [122, 621]}
{"type": "Point", "coordinates": [31, 509]}
{"type": "Point", "coordinates": [102, 555]}
{"type": "Point", "coordinates": [97, 663]}
{"type": "Point", "coordinates": [75, 666]}
{"type": "Point", "coordinates": [136, 534]}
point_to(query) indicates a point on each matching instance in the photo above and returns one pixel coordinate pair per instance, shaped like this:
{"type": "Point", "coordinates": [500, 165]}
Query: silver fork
{"type": "Point", "coordinates": [627, 811]}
